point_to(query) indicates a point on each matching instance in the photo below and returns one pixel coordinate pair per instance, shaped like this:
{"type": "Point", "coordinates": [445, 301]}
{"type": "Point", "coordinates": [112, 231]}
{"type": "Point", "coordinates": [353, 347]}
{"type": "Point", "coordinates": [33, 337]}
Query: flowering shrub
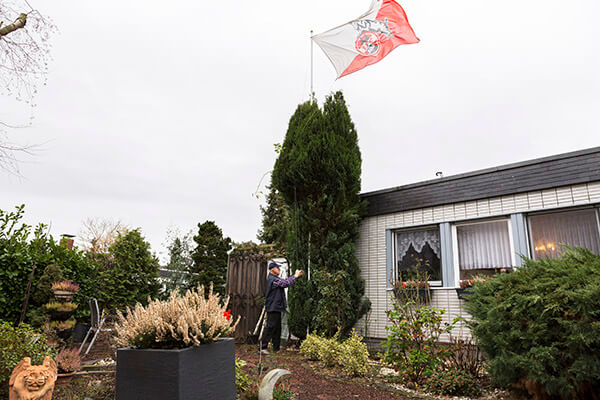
{"type": "Point", "coordinates": [68, 360]}
{"type": "Point", "coordinates": [412, 348]}
{"type": "Point", "coordinates": [178, 322]}
{"type": "Point", "coordinates": [412, 284]}
{"type": "Point", "coordinates": [67, 286]}
{"type": "Point", "coordinates": [452, 382]}
{"type": "Point", "coordinates": [467, 283]}
{"type": "Point", "coordinates": [58, 306]}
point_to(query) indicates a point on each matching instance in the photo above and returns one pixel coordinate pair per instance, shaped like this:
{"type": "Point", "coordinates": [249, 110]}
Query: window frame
{"type": "Point", "coordinates": [428, 227]}
{"type": "Point", "coordinates": [530, 244]}
{"type": "Point", "coordinates": [478, 222]}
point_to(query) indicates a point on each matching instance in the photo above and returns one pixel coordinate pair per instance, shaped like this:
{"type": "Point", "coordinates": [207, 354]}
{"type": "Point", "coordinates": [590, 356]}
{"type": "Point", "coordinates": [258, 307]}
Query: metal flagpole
{"type": "Point", "coordinates": [312, 93]}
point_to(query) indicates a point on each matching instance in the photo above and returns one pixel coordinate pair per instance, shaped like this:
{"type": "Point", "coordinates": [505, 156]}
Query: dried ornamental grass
{"type": "Point", "coordinates": [181, 321]}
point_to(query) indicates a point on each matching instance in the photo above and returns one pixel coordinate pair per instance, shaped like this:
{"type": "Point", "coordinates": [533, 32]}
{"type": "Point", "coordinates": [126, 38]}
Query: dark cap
{"type": "Point", "coordinates": [273, 264]}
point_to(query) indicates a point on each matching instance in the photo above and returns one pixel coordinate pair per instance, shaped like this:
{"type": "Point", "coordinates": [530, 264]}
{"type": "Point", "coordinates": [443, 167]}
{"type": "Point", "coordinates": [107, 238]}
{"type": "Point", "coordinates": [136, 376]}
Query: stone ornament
{"type": "Point", "coordinates": [33, 382]}
{"type": "Point", "coordinates": [265, 392]}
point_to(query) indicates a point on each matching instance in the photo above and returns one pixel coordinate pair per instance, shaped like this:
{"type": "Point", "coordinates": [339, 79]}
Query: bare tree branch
{"type": "Point", "coordinates": [19, 23]}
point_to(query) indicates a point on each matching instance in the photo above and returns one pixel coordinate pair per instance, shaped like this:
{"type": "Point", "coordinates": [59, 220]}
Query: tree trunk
{"type": "Point", "coordinates": [19, 23]}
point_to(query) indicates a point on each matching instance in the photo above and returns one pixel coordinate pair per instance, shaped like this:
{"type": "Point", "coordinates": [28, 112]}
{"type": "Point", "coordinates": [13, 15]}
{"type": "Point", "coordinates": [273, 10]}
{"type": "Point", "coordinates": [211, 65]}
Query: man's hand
{"type": "Point", "coordinates": [299, 273]}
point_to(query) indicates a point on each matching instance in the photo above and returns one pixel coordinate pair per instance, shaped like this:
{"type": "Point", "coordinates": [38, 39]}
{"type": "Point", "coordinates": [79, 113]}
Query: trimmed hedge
{"type": "Point", "coordinates": [540, 325]}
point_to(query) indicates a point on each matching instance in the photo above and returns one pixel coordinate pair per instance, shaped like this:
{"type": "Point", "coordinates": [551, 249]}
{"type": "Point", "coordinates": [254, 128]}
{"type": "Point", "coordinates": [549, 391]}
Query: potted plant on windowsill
{"type": "Point", "coordinates": [68, 362]}
{"type": "Point", "coordinates": [64, 290]}
{"type": "Point", "coordinates": [176, 349]}
{"type": "Point", "coordinates": [417, 290]}
{"type": "Point", "coordinates": [465, 288]}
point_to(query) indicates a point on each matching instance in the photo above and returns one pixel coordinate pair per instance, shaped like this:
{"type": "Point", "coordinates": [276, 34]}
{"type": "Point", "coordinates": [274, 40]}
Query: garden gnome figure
{"type": "Point", "coordinates": [275, 304]}
{"type": "Point", "coordinates": [32, 382]}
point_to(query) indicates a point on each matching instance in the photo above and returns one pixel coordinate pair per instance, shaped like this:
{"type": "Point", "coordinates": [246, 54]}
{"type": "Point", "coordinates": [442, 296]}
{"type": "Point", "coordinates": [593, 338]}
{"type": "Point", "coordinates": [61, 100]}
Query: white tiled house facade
{"type": "Point", "coordinates": [571, 182]}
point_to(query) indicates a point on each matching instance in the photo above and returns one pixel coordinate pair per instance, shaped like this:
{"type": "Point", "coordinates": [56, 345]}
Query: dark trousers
{"type": "Point", "coordinates": [272, 330]}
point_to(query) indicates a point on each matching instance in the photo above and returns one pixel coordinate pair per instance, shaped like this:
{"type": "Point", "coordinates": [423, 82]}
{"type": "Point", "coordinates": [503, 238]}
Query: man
{"type": "Point", "coordinates": [275, 304]}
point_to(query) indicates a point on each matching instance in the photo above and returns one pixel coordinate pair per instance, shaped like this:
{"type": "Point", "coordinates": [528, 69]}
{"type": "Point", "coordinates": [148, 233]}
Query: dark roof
{"type": "Point", "coordinates": [543, 173]}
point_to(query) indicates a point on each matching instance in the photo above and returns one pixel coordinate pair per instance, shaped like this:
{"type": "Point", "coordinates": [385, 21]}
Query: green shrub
{"type": "Point", "coordinates": [540, 325]}
{"type": "Point", "coordinates": [311, 346]}
{"type": "Point", "coordinates": [19, 342]}
{"type": "Point", "coordinates": [354, 356]}
{"type": "Point", "coordinates": [452, 382]}
{"type": "Point", "coordinates": [412, 348]}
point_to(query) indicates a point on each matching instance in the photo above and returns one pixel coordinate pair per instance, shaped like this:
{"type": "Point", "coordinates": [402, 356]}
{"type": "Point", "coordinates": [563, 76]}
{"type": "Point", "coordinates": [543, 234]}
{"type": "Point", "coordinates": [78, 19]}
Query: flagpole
{"type": "Point", "coordinates": [312, 92]}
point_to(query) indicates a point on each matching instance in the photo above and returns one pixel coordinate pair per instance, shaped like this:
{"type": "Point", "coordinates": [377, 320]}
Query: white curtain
{"type": "Point", "coordinates": [418, 240]}
{"type": "Point", "coordinates": [483, 245]}
{"type": "Point", "coordinates": [575, 228]}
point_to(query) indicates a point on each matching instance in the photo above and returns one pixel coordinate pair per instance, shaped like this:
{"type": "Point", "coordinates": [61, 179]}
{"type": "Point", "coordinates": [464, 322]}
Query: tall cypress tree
{"type": "Point", "coordinates": [318, 174]}
{"type": "Point", "coordinates": [210, 257]}
{"type": "Point", "coordinates": [275, 220]}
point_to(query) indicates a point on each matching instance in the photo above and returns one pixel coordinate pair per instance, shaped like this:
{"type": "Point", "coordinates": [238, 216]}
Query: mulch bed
{"type": "Point", "coordinates": [312, 381]}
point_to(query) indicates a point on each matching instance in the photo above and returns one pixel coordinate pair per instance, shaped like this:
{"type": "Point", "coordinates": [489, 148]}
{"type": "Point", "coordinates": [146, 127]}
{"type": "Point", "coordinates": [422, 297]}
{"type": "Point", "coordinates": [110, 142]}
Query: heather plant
{"type": "Point", "coordinates": [66, 285]}
{"type": "Point", "coordinates": [58, 306]}
{"type": "Point", "coordinates": [68, 360]}
{"type": "Point", "coordinates": [63, 325]}
{"type": "Point", "coordinates": [452, 382]}
{"type": "Point", "coordinates": [181, 321]}
{"type": "Point", "coordinates": [539, 325]}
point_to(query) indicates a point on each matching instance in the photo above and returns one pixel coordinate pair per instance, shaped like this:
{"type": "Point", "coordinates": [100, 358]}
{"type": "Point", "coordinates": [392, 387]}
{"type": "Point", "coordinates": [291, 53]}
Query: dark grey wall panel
{"type": "Point", "coordinates": [545, 173]}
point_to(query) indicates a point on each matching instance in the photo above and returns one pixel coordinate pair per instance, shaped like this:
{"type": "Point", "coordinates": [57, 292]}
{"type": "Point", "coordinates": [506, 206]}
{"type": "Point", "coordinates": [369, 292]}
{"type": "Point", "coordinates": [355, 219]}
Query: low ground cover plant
{"type": "Point", "coordinates": [350, 354]}
{"type": "Point", "coordinates": [539, 326]}
{"type": "Point", "coordinates": [178, 322]}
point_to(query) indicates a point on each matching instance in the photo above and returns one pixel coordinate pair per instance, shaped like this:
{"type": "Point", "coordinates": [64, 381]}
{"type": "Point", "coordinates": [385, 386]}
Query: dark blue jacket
{"type": "Point", "coordinates": [275, 295]}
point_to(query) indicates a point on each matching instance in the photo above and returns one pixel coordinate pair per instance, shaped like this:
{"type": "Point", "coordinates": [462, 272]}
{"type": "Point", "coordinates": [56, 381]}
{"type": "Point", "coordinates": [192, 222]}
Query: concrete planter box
{"type": "Point", "coordinates": [205, 372]}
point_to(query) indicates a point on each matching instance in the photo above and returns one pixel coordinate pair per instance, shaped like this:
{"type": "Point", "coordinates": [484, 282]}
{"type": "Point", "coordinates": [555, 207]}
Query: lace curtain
{"type": "Point", "coordinates": [418, 239]}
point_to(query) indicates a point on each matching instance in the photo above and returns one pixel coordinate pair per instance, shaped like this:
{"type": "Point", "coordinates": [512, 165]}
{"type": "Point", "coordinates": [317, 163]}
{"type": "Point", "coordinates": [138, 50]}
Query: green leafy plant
{"type": "Point", "coordinates": [283, 391]}
{"type": "Point", "coordinates": [413, 347]}
{"type": "Point", "coordinates": [452, 382]}
{"type": "Point", "coordinates": [538, 326]}
{"type": "Point", "coordinates": [68, 360]}
{"type": "Point", "coordinates": [242, 381]}
{"type": "Point", "coordinates": [19, 342]}
{"type": "Point", "coordinates": [351, 354]}
{"type": "Point", "coordinates": [354, 356]}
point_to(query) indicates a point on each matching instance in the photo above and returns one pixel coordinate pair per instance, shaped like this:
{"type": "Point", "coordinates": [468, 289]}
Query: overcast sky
{"type": "Point", "coordinates": [164, 114]}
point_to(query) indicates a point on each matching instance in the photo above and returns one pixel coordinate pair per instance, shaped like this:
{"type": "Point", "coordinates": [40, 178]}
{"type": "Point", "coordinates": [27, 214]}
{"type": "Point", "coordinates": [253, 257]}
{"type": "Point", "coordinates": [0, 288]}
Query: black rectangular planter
{"type": "Point", "coordinates": [463, 293]}
{"type": "Point", "coordinates": [206, 372]}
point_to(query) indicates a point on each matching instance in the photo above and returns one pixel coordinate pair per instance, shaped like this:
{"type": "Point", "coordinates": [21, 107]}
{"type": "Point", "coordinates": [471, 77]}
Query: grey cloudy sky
{"type": "Point", "coordinates": [164, 114]}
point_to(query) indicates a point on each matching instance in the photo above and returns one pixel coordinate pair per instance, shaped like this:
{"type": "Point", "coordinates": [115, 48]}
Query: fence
{"type": "Point", "coordinates": [246, 284]}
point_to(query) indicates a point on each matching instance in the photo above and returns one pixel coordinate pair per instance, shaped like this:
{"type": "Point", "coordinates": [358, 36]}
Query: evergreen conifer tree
{"type": "Point", "coordinates": [318, 175]}
{"type": "Point", "coordinates": [275, 220]}
{"type": "Point", "coordinates": [210, 257]}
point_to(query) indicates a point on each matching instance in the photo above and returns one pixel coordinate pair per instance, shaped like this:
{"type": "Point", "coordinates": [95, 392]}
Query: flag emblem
{"type": "Point", "coordinates": [367, 39]}
{"type": "Point", "coordinates": [370, 35]}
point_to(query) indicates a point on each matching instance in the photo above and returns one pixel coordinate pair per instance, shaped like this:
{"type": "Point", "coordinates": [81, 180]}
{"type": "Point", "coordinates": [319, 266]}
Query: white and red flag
{"type": "Point", "coordinates": [367, 39]}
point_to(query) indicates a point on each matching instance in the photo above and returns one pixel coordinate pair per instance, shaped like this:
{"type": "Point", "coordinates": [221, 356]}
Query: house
{"type": "Point", "coordinates": [476, 223]}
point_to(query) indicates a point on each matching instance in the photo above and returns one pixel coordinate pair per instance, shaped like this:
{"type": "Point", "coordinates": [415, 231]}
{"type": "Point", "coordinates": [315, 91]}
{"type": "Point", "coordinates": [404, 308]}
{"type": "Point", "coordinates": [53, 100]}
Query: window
{"type": "Point", "coordinates": [415, 245]}
{"type": "Point", "coordinates": [574, 228]}
{"type": "Point", "coordinates": [483, 248]}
